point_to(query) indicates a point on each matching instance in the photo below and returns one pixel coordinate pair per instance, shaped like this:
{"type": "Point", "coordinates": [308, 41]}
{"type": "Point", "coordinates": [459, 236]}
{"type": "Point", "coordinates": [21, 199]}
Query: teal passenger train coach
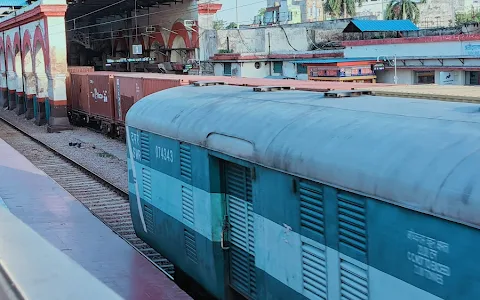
{"type": "Point", "coordinates": [294, 195]}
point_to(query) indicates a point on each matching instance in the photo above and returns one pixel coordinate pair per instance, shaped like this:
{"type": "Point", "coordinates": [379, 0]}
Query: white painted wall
{"type": "Point", "coordinates": [458, 77]}
{"type": "Point", "coordinates": [289, 38]}
{"type": "Point", "coordinates": [416, 49]}
{"type": "Point", "coordinates": [244, 69]}
{"type": "Point", "coordinates": [247, 69]}
{"type": "Point", "coordinates": [404, 76]}
{"type": "Point", "coordinates": [408, 77]}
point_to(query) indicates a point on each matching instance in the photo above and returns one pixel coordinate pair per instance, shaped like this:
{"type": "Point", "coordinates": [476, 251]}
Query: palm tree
{"type": "Point", "coordinates": [403, 10]}
{"type": "Point", "coordinates": [336, 8]}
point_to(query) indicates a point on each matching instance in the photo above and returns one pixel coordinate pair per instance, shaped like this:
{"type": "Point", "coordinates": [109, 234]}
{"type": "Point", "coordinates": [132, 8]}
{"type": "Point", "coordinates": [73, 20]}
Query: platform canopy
{"type": "Point", "coordinates": [380, 26]}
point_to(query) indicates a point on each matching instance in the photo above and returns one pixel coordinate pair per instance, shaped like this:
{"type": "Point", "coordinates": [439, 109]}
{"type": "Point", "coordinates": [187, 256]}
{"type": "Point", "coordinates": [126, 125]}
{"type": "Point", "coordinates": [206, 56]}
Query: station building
{"type": "Point", "coordinates": [39, 40]}
{"type": "Point", "coordinates": [437, 56]}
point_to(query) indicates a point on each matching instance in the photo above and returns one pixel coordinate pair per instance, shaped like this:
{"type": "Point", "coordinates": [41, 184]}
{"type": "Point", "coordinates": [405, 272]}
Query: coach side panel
{"type": "Point", "coordinates": [312, 241]}
{"type": "Point", "coordinates": [181, 207]}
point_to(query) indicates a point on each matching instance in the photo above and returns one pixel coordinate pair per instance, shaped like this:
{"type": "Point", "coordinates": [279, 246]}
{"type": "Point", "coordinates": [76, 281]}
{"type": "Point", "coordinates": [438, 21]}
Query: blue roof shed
{"type": "Point", "coordinates": [380, 26]}
{"type": "Point", "coordinates": [13, 3]}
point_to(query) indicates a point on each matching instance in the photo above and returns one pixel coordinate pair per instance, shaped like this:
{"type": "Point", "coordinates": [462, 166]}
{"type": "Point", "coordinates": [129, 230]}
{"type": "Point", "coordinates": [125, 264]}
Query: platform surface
{"type": "Point", "coordinates": [55, 215]}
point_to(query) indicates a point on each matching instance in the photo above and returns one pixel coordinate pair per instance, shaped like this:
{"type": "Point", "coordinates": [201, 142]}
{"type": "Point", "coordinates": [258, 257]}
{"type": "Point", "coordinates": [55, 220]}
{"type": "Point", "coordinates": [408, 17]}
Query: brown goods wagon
{"type": "Point", "coordinates": [128, 90]}
{"type": "Point", "coordinates": [310, 85]}
{"type": "Point", "coordinates": [68, 80]}
{"type": "Point", "coordinates": [80, 69]}
{"type": "Point", "coordinates": [153, 85]}
{"type": "Point", "coordinates": [101, 96]}
{"type": "Point", "coordinates": [79, 93]}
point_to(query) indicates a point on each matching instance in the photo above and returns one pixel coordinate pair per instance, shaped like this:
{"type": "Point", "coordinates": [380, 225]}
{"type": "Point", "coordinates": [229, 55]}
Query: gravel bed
{"type": "Point", "coordinates": [104, 156]}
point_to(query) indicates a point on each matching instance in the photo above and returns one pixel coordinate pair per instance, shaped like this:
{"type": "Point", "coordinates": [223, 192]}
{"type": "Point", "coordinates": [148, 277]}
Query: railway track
{"type": "Point", "coordinates": [106, 201]}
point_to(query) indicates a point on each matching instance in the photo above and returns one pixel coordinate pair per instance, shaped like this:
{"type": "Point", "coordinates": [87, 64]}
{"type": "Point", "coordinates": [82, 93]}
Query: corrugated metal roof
{"type": "Point", "coordinates": [380, 25]}
{"type": "Point", "coordinates": [333, 60]}
{"type": "Point", "coordinates": [11, 3]}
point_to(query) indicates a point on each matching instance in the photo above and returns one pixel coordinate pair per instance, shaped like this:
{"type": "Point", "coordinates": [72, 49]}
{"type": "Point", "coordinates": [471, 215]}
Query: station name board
{"type": "Point", "coordinates": [126, 60]}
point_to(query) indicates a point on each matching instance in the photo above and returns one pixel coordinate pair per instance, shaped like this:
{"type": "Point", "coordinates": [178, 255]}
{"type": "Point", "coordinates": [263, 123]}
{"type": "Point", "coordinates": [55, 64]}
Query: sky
{"type": "Point", "coordinates": [247, 9]}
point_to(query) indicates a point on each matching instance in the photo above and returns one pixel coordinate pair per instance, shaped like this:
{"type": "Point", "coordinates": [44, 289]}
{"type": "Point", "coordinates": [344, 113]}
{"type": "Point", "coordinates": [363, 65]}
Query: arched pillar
{"type": "Point", "coordinates": [156, 44]}
{"type": "Point", "coordinates": [3, 77]}
{"type": "Point", "coordinates": [29, 78]}
{"type": "Point", "coordinates": [176, 56]}
{"type": "Point", "coordinates": [119, 45]}
{"type": "Point", "coordinates": [11, 75]}
{"type": "Point", "coordinates": [20, 95]}
{"type": "Point", "coordinates": [41, 83]}
{"type": "Point", "coordinates": [56, 45]}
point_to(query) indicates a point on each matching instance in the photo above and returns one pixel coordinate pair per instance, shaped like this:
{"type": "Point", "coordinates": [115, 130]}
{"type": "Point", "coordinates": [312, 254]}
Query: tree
{"type": "Point", "coordinates": [219, 24]}
{"type": "Point", "coordinates": [232, 25]}
{"type": "Point", "coordinates": [345, 8]}
{"type": "Point", "coordinates": [403, 10]}
{"type": "Point", "coordinates": [261, 11]}
{"type": "Point", "coordinates": [467, 17]}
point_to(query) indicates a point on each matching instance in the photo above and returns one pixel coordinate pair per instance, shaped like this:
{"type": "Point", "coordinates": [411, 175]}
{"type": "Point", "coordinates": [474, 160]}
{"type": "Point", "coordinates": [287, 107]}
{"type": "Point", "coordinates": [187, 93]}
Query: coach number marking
{"type": "Point", "coordinates": [164, 154]}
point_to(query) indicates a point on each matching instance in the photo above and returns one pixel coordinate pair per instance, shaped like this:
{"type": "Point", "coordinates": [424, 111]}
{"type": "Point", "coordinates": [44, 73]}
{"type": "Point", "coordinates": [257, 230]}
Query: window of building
{"type": "Point", "coordinates": [425, 77]}
{"type": "Point", "coordinates": [227, 69]}
{"type": "Point", "coordinates": [472, 78]}
{"type": "Point", "coordinates": [278, 67]}
{"type": "Point", "coordinates": [301, 69]}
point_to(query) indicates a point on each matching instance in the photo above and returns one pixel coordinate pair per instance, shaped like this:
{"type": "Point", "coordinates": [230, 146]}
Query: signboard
{"type": "Point", "coordinates": [471, 49]}
{"type": "Point", "coordinates": [378, 67]}
{"type": "Point", "coordinates": [137, 49]}
{"type": "Point", "coordinates": [447, 78]}
{"type": "Point", "coordinates": [125, 60]}
{"type": "Point", "coordinates": [329, 71]}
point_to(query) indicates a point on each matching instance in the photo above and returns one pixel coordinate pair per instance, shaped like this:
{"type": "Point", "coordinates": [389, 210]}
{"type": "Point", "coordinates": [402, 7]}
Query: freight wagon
{"type": "Point", "coordinates": [295, 195]}
{"type": "Point", "coordinates": [102, 99]}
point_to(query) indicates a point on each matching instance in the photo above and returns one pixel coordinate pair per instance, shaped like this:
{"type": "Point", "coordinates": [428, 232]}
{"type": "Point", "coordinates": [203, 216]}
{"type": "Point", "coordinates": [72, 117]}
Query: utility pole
{"type": "Point", "coordinates": [395, 78]}
{"type": "Point", "coordinates": [136, 24]}
{"type": "Point", "coordinates": [236, 12]}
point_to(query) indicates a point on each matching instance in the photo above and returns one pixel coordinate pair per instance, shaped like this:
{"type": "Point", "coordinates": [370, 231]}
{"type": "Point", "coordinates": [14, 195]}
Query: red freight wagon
{"type": "Point", "coordinates": [153, 85]}
{"type": "Point", "coordinates": [102, 100]}
{"type": "Point", "coordinates": [79, 96]}
{"type": "Point", "coordinates": [128, 90]}
{"type": "Point", "coordinates": [68, 80]}
{"type": "Point", "coordinates": [131, 87]}
{"type": "Point", "coordinates": [105, 97]}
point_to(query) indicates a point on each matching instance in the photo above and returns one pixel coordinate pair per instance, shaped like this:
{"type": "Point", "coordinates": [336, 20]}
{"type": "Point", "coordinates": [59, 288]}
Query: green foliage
{"type": "Point", "coordinates": [262, 11]}
{"type": "Point", "coordinates": [403, 10]}
{"type": "Point", "coordinates": [219, 24]}
{"type": "Point", "coordinates": [341, 8]}
{"type": "Point", "coordinates": [467, 17]}
{"type": "Point", "coordinates": [232, 25]}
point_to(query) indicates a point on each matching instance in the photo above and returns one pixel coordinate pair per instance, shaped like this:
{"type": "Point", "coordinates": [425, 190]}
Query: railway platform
{"type": "Point", "coordinates": [38, 202]}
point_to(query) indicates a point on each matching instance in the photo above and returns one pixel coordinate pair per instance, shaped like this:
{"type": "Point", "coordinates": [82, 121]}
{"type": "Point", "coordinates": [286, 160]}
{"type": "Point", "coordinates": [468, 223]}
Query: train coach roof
{"type": "Point", "coordinates": [422, 154]}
